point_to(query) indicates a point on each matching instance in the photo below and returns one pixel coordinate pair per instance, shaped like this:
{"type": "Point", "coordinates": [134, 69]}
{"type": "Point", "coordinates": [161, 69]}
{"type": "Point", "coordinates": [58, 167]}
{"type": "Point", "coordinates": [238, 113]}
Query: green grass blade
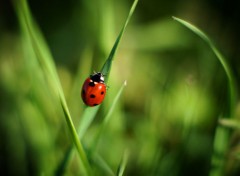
{"type": "Point", "coordinates": [221, 58]}
{"type": "Point", "coordinates": [107, 65]}
{"type": "Point", "coordinates": [47, 65]}
{"type": "Point", "coordinates": [61, 168]}
{"type": "Point", "coordinates": [76, 140]}
{"type": "Point", "coordinates": [88, 117]}
{"type": "Point", "coordinates": [220, 145]}
{"type": "Point", "coordinates": [230, 123]}
{"type": "Point", "coordinates": [222, 134]}
{"type": "Point", "coordinates": [107, 118]}
{"type": "Point", "coordinates": [123, 164]}
{"type": "Point", "coordinates": [90, 112]}
{"type": "Point", "coordinates": [101, 163]}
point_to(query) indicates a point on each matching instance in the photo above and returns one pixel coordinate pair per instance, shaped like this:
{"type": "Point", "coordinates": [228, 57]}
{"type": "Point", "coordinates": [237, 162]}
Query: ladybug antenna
{"type": "Point", "coordinates": [104, 74]}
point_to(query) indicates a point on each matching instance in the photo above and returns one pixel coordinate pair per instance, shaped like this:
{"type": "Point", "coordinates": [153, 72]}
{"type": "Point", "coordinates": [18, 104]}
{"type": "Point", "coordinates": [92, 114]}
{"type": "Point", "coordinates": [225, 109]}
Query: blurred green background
{"type": "Point", "coordinates": [167, 115]}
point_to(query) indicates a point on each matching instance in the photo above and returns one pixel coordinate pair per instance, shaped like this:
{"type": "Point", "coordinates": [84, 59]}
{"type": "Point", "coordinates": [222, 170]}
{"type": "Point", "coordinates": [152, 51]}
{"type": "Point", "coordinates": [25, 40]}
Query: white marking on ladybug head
{"type": "Point", "coordinates": [102, 77]}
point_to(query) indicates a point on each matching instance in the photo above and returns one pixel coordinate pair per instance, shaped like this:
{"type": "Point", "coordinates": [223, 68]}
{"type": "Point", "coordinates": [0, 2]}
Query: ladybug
{"type": "Point", "coordinates": [94, 89]}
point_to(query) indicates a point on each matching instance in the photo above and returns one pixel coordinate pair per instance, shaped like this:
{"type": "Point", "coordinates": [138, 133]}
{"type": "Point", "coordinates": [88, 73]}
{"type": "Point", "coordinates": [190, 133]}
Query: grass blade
{"type": "Point", "coordinates": [107, 65]}
{"type": "Point", "coordinates": [221, 138]}
{"type": "Point", "coordinates": [220, 145]}
{"type": "Point", "coordinates": [221, 58]}
{"type": "Point", "coordinates": [107, 118]}
{"type": "Point", "coordinates": [89, 115]}
{"type": "Point", "coordinates": [101, 163]}
{"type": "Point", "coordinates": [87, 118]}
{"type": "Point", "coordinates": [123, 164]}
{"type": "Point", "coordinates": [90, 112]}
{"type": "Point", "coordinates": [230, 123]}
{"type": "Point", "coordinates": [47, 65]}
{"type": "Point", "coordinates": [96, 158]}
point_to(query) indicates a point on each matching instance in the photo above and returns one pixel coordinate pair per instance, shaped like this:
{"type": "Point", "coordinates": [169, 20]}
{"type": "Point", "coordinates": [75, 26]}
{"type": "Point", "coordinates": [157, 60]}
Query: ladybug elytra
{"type": "Point", "coordinates": [94, 89]}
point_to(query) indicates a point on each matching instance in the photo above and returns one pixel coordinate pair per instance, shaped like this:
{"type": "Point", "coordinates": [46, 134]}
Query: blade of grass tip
{"type": "Point", "coordinates": [123, 164]}
{"type": "Point", "coordinates": [46, 62]}
{"type": "Point", "coordinates": [107, 118]}
{"type": "Point", "coordinates": [107, 65]}
{"type": "Point", "coordinates": [221, 58]}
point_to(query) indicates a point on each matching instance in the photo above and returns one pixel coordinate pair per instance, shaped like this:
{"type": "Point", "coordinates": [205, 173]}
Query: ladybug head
{"type": "Point", "coordinates": [97, 77]}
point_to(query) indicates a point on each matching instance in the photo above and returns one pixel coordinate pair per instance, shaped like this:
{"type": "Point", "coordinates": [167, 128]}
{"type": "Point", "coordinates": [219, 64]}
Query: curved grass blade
{"type": "Point", "coordinates": [221, 58]}
{"type": "Point", "coordinates": [107, 65]}
{"type": "Point", "coordinates": [47, 65]}
{"type": "Point", "coordinates": [221, 138]}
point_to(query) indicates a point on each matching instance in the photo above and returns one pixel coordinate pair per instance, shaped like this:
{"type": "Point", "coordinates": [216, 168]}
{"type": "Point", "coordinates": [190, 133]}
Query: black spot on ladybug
{"type": "Point", "coordinates": [95, 104]}
{"type": "Point", "coordinates": [91, 84]}
{"type": "Point", "coordinates": [102, 92]}
{"type": "Point", "coordinates": [92, 96]}
{"type": "Point", "coordinates": [83, 92]}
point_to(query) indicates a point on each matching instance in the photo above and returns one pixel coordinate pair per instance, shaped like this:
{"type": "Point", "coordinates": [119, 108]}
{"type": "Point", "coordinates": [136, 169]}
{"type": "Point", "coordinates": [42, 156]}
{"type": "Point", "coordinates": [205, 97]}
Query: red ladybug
{"type": "Point", "coordinates": [94, 89]}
